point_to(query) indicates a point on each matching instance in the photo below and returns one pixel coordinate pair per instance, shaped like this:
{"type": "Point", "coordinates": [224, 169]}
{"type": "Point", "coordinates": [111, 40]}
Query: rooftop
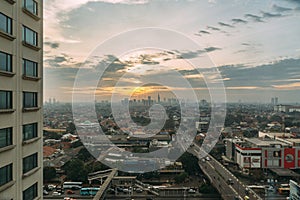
{"type": "Point", "coordinates": [260, 142]}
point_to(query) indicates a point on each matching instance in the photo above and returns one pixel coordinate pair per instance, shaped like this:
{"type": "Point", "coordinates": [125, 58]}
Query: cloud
{"type": "Point", "coordinates": [267, 75]}
{"type": "Point", "coordinates": [237, 20]}
{"type": "Point", "coordinates": [204, 32]}
{"type": "Point", "coordinates": [195, 54]}
{"type": "Point", "coordinates": [225, 24]}
{"type": "Point", "coordinates": [213, 28]}
{"type": "Point", "coordinates": [290, 86]}
{"type": "Point", "coordinates": [280, 9]}
{"type": "Point", "coordinates": [53, 45]}
{"type": "Point", "coordinates": [242, 88]}
{"type": "Point", "coordinates": [189, 54]}
{"type": "Point", "coordinates": [56, 61]}
{"type": "Point", "coordinates": [210, 49]}
{"type": "Point", "coordinates": [63, 61]}
{"type": "Point", "coordinates": [271, 15]}
{"type": "Point", "coordinates": [255, 18]}
{"type": "Point", "coordinates": [246, 44]}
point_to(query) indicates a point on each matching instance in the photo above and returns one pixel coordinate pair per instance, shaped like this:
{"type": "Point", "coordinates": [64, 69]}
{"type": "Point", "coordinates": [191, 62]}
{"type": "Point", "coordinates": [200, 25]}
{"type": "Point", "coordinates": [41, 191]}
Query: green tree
{"type": "Point", "coordinates": [75, 170]}
{"type": "Point", "coordinates": [190, 163]}
{"type": "Point", "coordinates": [180, 177]}
{"type": "Point", "coordinates": [49, 173]}
{"type": "Point", "coordinates": [71, 128]}
{"type": "Point", "coordinates": [84, 155]}
{"type": "Point", "coordinates": [207, 189]}
{"type": "Point", "coordinates": [76, 144]}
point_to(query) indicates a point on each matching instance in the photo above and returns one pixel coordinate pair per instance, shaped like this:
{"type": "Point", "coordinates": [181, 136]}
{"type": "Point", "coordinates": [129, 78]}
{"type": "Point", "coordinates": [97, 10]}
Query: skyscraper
{"type": "Point", "coordinates": [21, 90]}
{"type": "Point", "coordinates": [158, 98]}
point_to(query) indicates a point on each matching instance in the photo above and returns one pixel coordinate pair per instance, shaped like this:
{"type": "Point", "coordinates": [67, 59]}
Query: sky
{"type": "Point", "coordinates": [254, 45]}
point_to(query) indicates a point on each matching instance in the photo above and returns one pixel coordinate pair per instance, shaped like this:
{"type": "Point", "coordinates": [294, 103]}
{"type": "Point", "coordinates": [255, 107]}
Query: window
{"type": "Point", "coordinates": [30, 68]}
{"type": "Point", "coordinates": [5, 174]}
{"type": "Point", "coordinates": [31, 6]}
{"type": "Point", "coordinates": [5, 62]}
{"type": "Point", "coordinates": [30, 36]}
{"type": "Point", "coordinates": [29, 99]}
{"type": "Point", "coordinates": [5, 99]}
{"type": "Point", "coordinates": [5, 23]}
{"type": "Point", "coordinates": [31, 192]}
{"type": "Point", "coordinates": [29, 131]}
{"type": "Point", "coordinates": [30, 162]}
{"type": "Point", "coordinates": [5, 137]}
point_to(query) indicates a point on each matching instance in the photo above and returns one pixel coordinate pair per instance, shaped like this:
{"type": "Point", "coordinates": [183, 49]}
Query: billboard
{"type": "Point", "coordinates": [255, 162]}
{"type": "Point", "coordinates": [294, 191]}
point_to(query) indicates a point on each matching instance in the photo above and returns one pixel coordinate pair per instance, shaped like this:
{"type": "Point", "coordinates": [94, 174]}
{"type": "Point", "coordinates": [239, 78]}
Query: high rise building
{"type": "Point", "coordinates": [21, 90]}
{"type": "Point", "coordinates": [149, 100]}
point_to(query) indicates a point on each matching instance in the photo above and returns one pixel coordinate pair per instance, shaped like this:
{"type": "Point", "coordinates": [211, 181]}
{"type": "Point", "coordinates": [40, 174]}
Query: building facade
{"type": "Point", "coordinates": [21, 99]}
{"type": "Point", "coordinates": [265, 153]}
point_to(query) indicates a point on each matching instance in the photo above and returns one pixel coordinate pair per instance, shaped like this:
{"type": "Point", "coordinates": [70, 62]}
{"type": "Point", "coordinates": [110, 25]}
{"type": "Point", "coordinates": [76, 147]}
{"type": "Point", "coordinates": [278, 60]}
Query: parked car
{"type": "Point", "coordinates": [51, 187]}
{"type": "Point", "coordinates": [192, 191]}
{"type": "Point", "coordinates": [126, 190]}
{"type": "Point", "coordinates": [45, 192]}
{"type": "Point", "coordinates": [139, 190]}
{"type": "Point", "coordinates": [56, 193]}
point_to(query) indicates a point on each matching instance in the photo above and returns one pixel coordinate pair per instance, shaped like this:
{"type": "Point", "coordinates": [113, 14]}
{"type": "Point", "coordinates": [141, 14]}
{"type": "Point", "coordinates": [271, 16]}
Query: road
{"type": "Point", "coordinates": [219, 176]}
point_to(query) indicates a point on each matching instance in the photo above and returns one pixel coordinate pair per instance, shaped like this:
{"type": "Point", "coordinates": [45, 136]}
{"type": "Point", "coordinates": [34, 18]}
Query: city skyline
{"type": "Point", "coordinates": [254, 45]}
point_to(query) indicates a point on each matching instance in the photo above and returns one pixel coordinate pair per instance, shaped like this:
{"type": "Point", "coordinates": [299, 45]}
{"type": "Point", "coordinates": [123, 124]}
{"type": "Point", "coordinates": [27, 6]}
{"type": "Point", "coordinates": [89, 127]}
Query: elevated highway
{"type": "Point", "coordinates": [219, 176]}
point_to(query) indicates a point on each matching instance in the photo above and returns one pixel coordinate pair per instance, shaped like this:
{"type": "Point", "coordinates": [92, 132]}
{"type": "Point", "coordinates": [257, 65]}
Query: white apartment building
{"type": "Point", "coordinates": [21, 99]}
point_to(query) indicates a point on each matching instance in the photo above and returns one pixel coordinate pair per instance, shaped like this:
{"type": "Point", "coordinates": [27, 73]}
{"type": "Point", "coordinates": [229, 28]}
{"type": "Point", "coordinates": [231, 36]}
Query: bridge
{"type": "Point", "coordinates": [219, 176]}
{"type": "Point", "coordinates": [109, 175]}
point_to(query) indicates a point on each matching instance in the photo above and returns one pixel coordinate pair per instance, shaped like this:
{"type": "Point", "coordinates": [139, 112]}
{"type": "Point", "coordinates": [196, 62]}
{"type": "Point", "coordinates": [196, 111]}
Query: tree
{"type": "Point", "coordinates": [180, 177]}
{"type": "Point", "coordinates": [207, 189]}
{"type": "Point", "coordinates": [190, 163]}
{"type": "Point", "coordinates": [71, 128]}
{"type": "Point", "coordinates": [49, 173]}
{"type": "Point", "coordinates": [75, 170]}
{"type": "Point", "coordinates": [151, 175]}
{"type": "Point", "coordinates": [84, 154]}
{"type": "Point", "coordinates": [76, 144]}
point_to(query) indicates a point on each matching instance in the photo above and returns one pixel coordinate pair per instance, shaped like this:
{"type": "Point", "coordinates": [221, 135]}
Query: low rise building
{"type": "Point", "coordinates": [250, 153]}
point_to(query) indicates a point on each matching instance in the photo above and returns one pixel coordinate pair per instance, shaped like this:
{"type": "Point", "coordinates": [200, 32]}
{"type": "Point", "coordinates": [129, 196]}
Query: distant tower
{"type": "Point", "coordinates": [54, 101]}
{"type": "Point", "coordinates": [276, 101]}
{"type": "Point", "coordinates": [50, 101]}
{"type": "Point", "coordinates": [158, 98]}
{"type": "Point", "coordinates": [273, 101]}
{"type": "Point", "coordinates": [149, 100]}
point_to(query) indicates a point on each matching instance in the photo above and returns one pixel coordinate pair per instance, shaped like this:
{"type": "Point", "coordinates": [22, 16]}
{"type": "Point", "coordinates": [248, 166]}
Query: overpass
{"type": "Point", "coordinates": [109, 175]}
{"type": "Point", "coordinates": [219, 176]}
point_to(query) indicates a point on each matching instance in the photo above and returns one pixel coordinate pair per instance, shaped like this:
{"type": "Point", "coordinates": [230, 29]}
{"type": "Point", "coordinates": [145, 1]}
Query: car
{"type": "Point", "coordinates": [247, 191]}
{"type": "Point", "coordinates": [51, 187]}
{"type": "Point", "coordinates": [203, 160]}
{"type": "Point", "coordinates": [192, 191]}
{"type": "Point", "coordinates": [139, 190]}
{"type": "Point", "coordinates": [70, 192]}
{"type": "Point", "coordinates": [125, 190]}
{"type": "Point", "coordinates": [119, 189]}
{"type": "Point", "coordinates": [45, 192]}
{"type": "Point", "coordinates": [56, 194]}
{"type": "Point", "coordinates": [208, 158]}
{"type": "Point", "coordinates": [230, 181]}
